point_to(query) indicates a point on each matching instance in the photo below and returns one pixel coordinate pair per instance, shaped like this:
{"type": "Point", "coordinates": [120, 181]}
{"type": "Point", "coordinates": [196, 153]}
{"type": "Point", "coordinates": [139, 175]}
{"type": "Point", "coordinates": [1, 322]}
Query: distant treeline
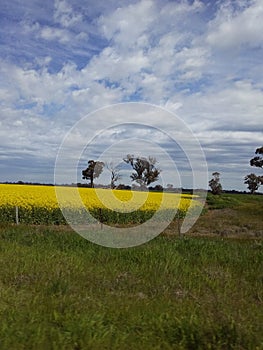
{"type": "Point", "coordinates": [240, 192]}
{"type": "Point", "coordinates": [157, 188]}
{"type": "Point", "coordinates": [26, 183]}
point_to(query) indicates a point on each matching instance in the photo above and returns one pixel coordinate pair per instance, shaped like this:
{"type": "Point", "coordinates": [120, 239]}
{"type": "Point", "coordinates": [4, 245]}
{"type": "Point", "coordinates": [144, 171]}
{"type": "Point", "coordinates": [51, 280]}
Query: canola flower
{"type": "Point", "coordinates": [28, 196]}
{"type": "Point", "coordinates": [42, 200]}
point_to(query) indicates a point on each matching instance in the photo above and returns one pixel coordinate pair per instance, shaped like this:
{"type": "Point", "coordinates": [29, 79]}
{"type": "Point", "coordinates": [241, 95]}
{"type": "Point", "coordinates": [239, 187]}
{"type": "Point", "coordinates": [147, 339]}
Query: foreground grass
{"type": "Point", "coordinates": [59, 291]}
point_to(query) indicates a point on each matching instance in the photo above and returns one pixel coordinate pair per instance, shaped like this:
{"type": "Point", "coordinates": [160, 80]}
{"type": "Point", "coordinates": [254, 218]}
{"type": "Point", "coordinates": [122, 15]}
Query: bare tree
{"type": "Point", "coordinates": [115, 174]}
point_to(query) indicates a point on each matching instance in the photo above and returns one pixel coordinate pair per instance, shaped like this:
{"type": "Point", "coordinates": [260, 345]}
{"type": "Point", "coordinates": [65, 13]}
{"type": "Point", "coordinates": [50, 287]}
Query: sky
{"type": "Point", "coordinates": [61, 60]}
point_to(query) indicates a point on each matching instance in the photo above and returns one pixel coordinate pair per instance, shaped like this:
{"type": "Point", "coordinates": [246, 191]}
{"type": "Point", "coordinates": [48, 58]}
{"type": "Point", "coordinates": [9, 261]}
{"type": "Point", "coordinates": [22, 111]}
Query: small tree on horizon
{"type": "Point", "coordinates": [93, 171]}
{"type": "Point", "coordinates": [215, 184]}
{"type": "Point", "coordinates": [253, 181]}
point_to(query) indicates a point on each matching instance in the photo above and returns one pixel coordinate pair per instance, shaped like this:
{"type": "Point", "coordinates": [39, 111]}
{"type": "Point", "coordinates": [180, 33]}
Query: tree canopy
{"type": "Point", "coordinates": [145, 170]}
{"type": "Point", "coordinates": [215, 184]}
{"type": "Point", "coordinates": [258, 160]}
{"type": "Point", "coordinates": [93, 171]}
{"type": "Point", "coordinates": [253, 181]}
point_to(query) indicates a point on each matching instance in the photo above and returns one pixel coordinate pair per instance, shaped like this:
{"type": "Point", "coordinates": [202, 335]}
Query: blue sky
{"type": "Point", "coordinates": [61, 60]}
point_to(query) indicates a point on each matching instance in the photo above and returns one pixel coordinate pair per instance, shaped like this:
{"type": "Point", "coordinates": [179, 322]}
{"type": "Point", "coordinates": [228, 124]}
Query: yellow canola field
{"type": "Point", "coordinates": [49, 197]}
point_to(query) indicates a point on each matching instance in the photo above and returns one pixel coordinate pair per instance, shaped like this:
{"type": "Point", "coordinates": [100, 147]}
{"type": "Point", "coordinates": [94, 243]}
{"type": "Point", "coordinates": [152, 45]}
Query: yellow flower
{"type": "Point", "coordinates": [26, 196]}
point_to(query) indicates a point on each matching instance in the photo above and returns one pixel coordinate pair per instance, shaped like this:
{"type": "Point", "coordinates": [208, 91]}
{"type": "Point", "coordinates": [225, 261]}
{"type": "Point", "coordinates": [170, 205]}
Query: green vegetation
{"type": "Point", "coordinates": [43, 216]}
{"type": "Point", "coordinates": [231, 215]}
{"type": "Point", "coordinates": [59, 291]}
{"type": "Point", "coordinates": [215, 184]}
{"type": "Point", "coordinates": [145, 171]}
{"type": "Point", "coordinates": [33, 215]}
{"type": "Point", "coordinates": [224, 201]}
{"type": "Point", "coordinates": [244, 202]}
{"type": "Point", "coordinates": [93, 171]}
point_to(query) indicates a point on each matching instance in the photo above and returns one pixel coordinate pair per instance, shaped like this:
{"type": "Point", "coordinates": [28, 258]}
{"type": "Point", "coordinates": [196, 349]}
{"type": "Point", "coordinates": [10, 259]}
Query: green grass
{"type": "Point", "coordinates": [232, 215]}
{"type": "Point", "coordinates": [238, 201]}
{"type": "Point", "coordinates": [59, 291]}
{"type": "Point", "coordinates": [223, 201]}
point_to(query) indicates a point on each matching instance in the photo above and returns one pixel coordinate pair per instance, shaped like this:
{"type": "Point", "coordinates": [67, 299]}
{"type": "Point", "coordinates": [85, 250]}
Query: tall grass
{"type": "Point", "coordinates": [41, 215]}
{"type": "Point", "coordinates": [59, 291]}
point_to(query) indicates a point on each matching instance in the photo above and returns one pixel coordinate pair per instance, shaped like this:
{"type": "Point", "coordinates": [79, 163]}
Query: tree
{"type": "Point", "coordinates": [115, 174]}
{"type": "Point", "coordinates": [253, 181]}
{"type": "Point", "coordinates": [257, 161]}
{"type": "Point", "coordinates": [157, 188]}
{"type": "Point", "coordinates": [93, 171]}
{"type": "Point", "coordinates": [145, 171]}
{"type": "Point", "coordinates": [215, 184]}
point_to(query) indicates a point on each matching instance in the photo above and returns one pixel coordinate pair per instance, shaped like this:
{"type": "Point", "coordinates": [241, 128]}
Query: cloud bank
{"type": "Point", "coordinates": [60, 62]}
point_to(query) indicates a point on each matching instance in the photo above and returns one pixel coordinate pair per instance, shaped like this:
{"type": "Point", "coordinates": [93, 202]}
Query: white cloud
{"type": "Point", "coordinates": [57, 34]}
{"type": "Point", "coordinates": [159, 52]}
{"type": "Point", "coordinates": [149, 55]}
{"type": "Point", "coordinates": [239, 104]}
{"type": "Point", "coordinates": [191, 62]}
{"type": "Point", "coordinates": [232, 29]}
{"type": "Point", "coordinates": [52, 33]}
{"type": "Point", "coordinates": [65, 15]}
{"type": "Point", "coordinates": [29, 27]}
{"type": "Point", "coordinates": [43, 61]}
{"type": "Point", "coordinates": [123, 26]}
{"type": "Point", "coordinates": [96, 96]}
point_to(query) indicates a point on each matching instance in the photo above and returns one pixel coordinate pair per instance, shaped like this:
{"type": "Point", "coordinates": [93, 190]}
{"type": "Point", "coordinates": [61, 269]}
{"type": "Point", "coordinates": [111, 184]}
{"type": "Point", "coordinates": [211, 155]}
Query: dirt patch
{"type": "Point", "coordinates": [228, 222]}
{"type": "Point", "coordinates": [225, 222]}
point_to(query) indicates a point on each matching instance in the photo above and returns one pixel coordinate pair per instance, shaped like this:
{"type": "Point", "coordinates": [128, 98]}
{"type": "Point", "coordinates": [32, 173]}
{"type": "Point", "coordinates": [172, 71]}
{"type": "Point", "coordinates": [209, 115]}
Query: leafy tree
{"type": "Point", "coordinates": [157, 188]}
{"type": "Point", "coordinates": [145, 171]}
{"type": "Point", "coordinates": [215, 184]}
{"type": "Point", "coordinates": [93, 171]}
{"type": "Point", "coordinates": [253, 181]}
{"type": "Point", "coordinates": [258, 160]}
